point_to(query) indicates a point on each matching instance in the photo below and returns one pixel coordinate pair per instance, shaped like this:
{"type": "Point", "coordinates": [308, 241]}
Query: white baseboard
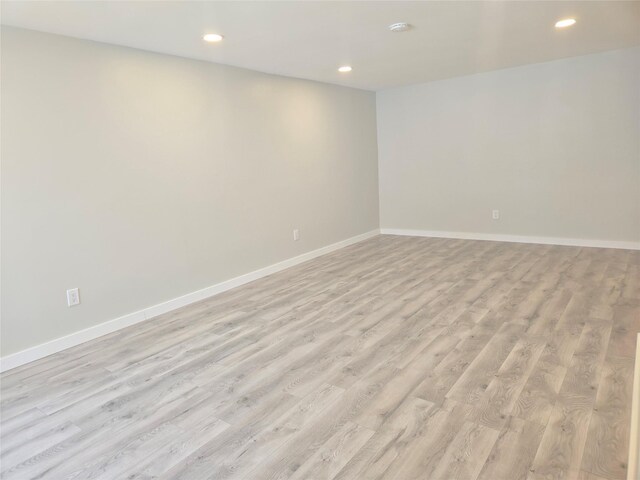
{"type": "Point", "coordinates": [574, 242]}
{"type": "Point", "coordinates": [39, 351]}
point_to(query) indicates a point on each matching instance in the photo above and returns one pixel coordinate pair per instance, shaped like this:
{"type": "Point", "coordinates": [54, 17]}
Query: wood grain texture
{"type": "Point", "coordinates": [633, 465]}
{"type": "Point", "coordinates": [395, 358]}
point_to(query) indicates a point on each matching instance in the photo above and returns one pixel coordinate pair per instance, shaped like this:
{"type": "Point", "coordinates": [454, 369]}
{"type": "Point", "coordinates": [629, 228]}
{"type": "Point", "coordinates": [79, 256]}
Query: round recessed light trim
{"type": "Point", "coordinates": [345, 69]}
{"type": "Point", "coordinates": [566, 22]}
{"type": "Point", "coordinates": [399, 27]}
{"type": "Point", "coordinates": [212, 37]}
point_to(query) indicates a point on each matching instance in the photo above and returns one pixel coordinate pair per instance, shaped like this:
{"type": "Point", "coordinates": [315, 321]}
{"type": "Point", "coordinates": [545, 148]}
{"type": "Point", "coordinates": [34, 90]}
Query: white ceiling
{"type": "Point", "coordinates": [311, 39]}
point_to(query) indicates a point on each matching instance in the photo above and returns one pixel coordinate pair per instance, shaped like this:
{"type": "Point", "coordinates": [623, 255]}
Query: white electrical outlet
{"type": "Point", "coordinates": [296, 235]}
{"type": "Point", "coordinates": [495, 214]}
{"type": "Point", "coordinates": [73, 297]}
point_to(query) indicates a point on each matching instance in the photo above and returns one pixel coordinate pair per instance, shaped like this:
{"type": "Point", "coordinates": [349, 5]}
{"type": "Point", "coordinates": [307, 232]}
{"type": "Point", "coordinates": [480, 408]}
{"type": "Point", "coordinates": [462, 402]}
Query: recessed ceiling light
{"type": "Point", "coordinates": [212, 37]}
{"type": "Point", "coordinates": [345, 69]}
{"type": "Point", "coordinates": [567, 22]}
{"type": "Point", "coordinates": [399, 27]}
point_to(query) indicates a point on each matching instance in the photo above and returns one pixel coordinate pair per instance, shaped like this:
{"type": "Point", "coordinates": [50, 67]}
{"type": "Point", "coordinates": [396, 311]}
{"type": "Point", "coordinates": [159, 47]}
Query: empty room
{"type": "Point", "coordinates": [320, 240]}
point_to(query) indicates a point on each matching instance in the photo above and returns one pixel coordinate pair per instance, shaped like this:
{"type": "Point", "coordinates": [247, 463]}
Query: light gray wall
{"type": "Point", "coordinates": [554, 146]}
{"type": "Point", "coordinates": [140, 177]}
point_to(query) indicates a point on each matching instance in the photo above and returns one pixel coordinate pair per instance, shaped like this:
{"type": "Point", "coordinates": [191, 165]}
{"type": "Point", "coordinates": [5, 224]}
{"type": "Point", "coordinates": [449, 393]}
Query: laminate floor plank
{"type": "Point", "coordinates": [395, 358]}
{"type": "Point", "coordinates": [610, 423]}
{"type": "Point", "coordinates": [561, 448]}
{"type": "Point", "coordinates": [513, 452]}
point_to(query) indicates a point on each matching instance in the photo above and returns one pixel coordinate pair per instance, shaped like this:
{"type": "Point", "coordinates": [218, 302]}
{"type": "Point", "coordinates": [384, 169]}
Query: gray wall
{"type": "Point", "coordinates": [554, 146]}
{"type": "Point", "coordinates": [140, 177]}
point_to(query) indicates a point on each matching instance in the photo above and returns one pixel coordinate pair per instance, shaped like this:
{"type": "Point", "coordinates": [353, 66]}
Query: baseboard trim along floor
{"type": "Point", "coordinates": [43, 350]}
{"type": "Point", "coordinates": [49, 348]}
{"type": "Point", "coordinates": [573, 242]}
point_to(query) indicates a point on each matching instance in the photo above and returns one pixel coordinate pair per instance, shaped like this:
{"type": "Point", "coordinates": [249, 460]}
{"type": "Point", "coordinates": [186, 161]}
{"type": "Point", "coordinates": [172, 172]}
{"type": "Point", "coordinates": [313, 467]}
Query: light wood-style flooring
{"type": "Point", "coordinates": [395, 358]}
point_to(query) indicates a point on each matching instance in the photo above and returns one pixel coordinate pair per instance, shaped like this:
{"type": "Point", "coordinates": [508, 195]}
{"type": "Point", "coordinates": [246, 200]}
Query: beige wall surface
{"type": "Point", "coordinates": [554, 146]}
{"type": "Point", "coordinates": [140, 177]}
